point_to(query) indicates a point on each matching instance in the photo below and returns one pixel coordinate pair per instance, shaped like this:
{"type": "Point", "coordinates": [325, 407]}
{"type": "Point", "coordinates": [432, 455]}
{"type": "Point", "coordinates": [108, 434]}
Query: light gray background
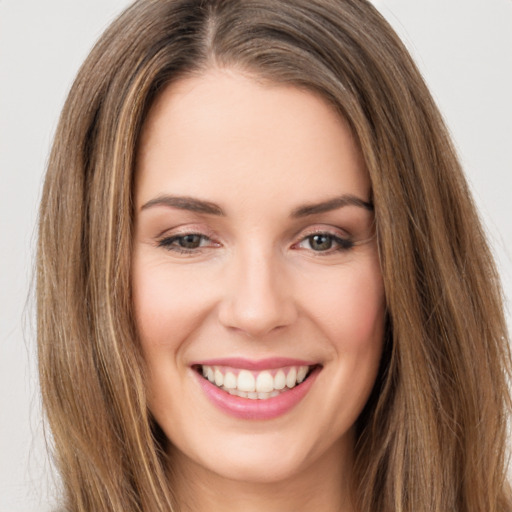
{"type": "Point", "coordinates": [464, 49]}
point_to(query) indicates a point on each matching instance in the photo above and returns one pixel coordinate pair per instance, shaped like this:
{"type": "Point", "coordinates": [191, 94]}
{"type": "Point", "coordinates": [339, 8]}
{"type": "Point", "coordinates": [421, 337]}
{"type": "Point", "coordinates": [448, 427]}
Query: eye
{"type": "Point", "coordinates": [325, 242]}
{"type": "Point", "coordinates": [186, 243]}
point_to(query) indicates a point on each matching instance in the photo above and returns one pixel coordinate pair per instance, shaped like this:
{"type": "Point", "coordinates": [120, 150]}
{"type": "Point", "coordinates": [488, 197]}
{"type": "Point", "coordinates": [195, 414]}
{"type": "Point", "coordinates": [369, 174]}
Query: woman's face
{"type": "Point", "coordinates": [255, 267]}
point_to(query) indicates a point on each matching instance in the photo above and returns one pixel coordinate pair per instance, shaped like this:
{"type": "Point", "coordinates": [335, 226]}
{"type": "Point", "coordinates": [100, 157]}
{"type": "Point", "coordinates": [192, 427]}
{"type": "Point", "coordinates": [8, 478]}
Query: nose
{"type": "Point", "coordinates": [258, 298]}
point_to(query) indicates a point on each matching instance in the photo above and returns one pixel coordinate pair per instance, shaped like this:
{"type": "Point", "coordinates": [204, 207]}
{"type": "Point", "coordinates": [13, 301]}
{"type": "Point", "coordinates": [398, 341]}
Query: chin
{"type": "Point", "coordinates": [267, 457]}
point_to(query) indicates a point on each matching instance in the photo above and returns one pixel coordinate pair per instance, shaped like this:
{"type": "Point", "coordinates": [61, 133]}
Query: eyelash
{"type": "Point", "coordinates": [170, 243]}
{"type": "Point", "coordinates": [343, 244]}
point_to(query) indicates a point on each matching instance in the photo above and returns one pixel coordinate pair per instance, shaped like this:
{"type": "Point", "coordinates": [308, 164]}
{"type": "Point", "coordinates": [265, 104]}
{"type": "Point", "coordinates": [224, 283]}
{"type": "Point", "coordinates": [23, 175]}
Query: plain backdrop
{"type": "Point", "coordinates": [463, 48]}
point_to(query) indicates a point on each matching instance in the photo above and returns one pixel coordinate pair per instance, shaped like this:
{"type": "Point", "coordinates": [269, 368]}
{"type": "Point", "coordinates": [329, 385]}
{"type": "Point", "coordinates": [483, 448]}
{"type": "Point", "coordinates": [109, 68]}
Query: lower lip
{"type": "Point", "coordinates": [257, 409]}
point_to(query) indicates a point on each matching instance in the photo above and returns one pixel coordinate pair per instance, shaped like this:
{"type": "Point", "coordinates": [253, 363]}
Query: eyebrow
{"type": "Point", "coordinates": [331, 204]}
{"type": "Point", "coordinates": [200, 206]}
{"type": "Point", "coordinates": [185, 203]}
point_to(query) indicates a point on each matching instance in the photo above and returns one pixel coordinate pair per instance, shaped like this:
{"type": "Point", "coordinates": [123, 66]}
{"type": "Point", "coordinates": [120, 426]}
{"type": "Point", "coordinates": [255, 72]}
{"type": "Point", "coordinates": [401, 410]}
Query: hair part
{"type": "Point", "coordinates": [433, 435]}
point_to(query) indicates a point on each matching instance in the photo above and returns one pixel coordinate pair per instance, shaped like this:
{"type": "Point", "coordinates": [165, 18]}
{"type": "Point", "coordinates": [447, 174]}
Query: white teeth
{"type": "Point", "coordinates": [246, 381]}
{"type": "Point", "coordinates": [219, 378]}
{"type": "Point", "coordinates": [301, 373]}
{"type": "Point", "coordinates": [264, 383]}
{"type": "Point", "coordinates": [230, 380]}
{"type": "Point", "coordinates": [291, 378]}
{"type": "Point", "coordinates": [280, 380]}
{"type": "Point", "coordinates": [255, 385]}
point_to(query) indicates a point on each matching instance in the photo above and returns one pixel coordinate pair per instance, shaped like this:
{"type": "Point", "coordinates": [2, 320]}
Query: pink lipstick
{"type": "Point", "coordinates": [256, 390]}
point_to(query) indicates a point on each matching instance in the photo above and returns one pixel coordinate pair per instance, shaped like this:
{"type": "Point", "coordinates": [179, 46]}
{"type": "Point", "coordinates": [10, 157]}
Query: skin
{"type": "Point", "coordinates": [256, 286]}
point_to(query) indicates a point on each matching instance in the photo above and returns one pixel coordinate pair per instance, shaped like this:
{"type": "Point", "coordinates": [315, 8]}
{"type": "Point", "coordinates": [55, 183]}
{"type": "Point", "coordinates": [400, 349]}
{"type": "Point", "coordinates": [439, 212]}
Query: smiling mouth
{"type": "Point", "coordinates": [255, 385]}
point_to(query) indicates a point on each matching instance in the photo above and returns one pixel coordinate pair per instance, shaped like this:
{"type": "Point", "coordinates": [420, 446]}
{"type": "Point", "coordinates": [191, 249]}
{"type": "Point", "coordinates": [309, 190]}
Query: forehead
{"type": "Point", "coordinates": [223, 135]}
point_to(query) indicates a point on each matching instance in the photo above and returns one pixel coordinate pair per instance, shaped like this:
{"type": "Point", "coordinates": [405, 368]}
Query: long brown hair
{"type": "Point", "coordinates": [433, 435]}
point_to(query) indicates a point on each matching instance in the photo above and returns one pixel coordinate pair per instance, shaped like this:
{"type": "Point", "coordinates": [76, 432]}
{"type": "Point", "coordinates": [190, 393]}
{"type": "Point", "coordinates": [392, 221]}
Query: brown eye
{"type": "Point", "coordinates": [189, 241]}
{"type": "Point", "coordinates": [320, 242]}
{"type": "Point", "coordinates": [185, 243]}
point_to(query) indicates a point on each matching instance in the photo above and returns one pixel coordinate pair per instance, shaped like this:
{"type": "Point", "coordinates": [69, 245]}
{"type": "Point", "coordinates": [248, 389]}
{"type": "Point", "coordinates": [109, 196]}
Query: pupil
{"type": "Point", "coordinates": [321, 242]}
{"type": "Point", "coordinates": [190, 241]}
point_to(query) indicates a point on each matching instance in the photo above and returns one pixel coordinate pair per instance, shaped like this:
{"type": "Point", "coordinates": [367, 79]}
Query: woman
{"type": "Point", "coordinates": [262, 281]}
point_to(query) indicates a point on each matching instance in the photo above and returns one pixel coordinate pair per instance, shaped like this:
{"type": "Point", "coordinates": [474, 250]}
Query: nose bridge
{"type": "Point", "coordinates": [257, 299]}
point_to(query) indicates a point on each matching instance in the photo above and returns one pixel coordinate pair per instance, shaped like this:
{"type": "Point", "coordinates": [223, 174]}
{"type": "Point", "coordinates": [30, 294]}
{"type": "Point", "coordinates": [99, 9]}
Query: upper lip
{"type": "Point", "coordinates": [255, 365]}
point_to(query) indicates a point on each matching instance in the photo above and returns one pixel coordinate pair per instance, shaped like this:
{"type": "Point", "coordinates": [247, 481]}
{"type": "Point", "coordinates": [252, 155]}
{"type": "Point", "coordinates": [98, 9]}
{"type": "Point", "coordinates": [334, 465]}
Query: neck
{"type": "Point", "coordinates": [324, 485]}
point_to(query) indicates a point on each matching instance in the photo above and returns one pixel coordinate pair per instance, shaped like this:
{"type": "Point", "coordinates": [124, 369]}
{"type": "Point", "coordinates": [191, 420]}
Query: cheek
{"type": "Point", "coordinates": [351, 315]}
{"type": "Point", "coordinates": [350, 308]}
{"type": "Point", "coordinates": [166, 300]}
{"type": "Point", "coordinates": [167, 309]}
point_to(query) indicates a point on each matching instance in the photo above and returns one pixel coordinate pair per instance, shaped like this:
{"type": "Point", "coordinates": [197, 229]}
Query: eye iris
{"type": "Point", "coordinates": [190, 241]}
{"type": "Point", "coordinates": [320, 242]}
